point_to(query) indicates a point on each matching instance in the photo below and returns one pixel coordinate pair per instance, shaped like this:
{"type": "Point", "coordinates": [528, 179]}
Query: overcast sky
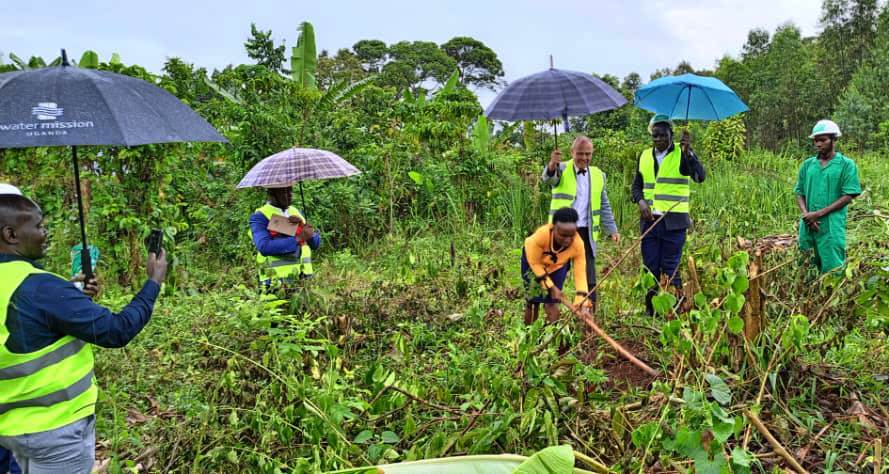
{"type": "Point", "coordinates": [612, 37]}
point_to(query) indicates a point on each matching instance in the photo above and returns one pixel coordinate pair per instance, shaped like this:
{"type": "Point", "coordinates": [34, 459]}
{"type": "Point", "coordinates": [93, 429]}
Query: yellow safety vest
{"type": "Point", "coordinates": [669, 187]}
{"type": "Point", "coordinates": [45, 389]}
{"type": "Point", "coordinates": [563, 195]}
{"type": "Point", "coordinates": [278, 267]}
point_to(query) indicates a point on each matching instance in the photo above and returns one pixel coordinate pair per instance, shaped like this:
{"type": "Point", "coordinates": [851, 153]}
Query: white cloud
{"type": "Point", "coordinates": [704, 32]}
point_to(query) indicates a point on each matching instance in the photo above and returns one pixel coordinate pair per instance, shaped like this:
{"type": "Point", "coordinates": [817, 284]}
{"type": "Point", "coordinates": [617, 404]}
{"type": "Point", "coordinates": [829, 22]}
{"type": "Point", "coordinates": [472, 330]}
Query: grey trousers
{"type": "Point", "coordinates": [70, 449]}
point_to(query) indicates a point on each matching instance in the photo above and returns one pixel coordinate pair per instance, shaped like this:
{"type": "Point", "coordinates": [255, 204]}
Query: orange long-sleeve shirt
{"type": "Point", "coordinates": [538, 248]}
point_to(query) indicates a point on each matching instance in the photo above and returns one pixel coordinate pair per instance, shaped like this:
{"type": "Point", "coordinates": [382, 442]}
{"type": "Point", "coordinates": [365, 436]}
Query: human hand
{"type": "Point", "coordinates": [556, 294]}
{"type": "Point", "coordinates": [554, 159]}
{"type": "Point", "coordinates": [307, 233]}
{"type": "Point", "coordinates": [157, 266]}
{"type": "Point", "coordinates": [295, 220]}
{"type": "Point", "coordinates": [645, 210]}
{"type": "Point", "coordinates": [811, 220]}
{"type": "Point", "coordinates": [90, 288]}
{"type": "Point", "coordinates": [685, 142]}
{"type": "Point", "coordinates": [615, 237]}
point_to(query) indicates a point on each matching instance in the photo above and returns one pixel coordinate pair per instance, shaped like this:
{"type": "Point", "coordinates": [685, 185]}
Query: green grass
{"type": "Point", "coordinates": [230, 383]}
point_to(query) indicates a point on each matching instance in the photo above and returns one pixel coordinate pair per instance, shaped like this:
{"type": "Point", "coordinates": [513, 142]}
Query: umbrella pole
{"type": "Point", "coordinates": [86, 264]}
{"type": "Point", "coordinates": [555, 135]}
{"type": "Point", "coordinates": [302, 196]}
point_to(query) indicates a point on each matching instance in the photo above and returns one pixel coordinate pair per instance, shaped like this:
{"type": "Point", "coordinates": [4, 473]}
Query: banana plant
{"type": "Point", "coordinates": [343, 91]}
{"type": "Point", "coordinates": [226, 94]}
{"type": "Point", "coordinates": [304, 58]}
{"type": "Point", "coordinates": [552, 460]}
{"type": "Point", "coordinates": [449, 86]}
{"type": "Point", "coordinates": [89, 60]}
{"type": "Point", "coordinates": [481, 135]}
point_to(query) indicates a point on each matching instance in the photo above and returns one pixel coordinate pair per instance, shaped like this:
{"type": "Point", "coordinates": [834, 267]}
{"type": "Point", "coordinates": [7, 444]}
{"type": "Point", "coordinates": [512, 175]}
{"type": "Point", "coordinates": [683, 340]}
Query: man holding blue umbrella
{"type": "Point", "coordinates": [661, 189]}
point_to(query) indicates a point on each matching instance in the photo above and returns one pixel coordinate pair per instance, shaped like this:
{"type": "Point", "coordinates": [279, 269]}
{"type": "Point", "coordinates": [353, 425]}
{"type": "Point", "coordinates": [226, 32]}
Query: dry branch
{"type": "Point", "coordinates": [774, 442]}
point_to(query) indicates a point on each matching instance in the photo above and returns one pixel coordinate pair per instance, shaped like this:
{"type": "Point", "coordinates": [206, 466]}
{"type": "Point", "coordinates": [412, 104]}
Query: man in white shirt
{"type": "Point", "coordinates": [582, 154]}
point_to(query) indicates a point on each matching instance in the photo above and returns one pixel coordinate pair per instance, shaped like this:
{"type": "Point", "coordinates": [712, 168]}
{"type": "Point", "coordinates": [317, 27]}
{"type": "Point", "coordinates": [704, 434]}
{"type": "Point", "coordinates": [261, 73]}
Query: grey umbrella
{"type": "Point", "coordinates": [70, 106]}
{"type": "Point", "coordinates": [554, 94]}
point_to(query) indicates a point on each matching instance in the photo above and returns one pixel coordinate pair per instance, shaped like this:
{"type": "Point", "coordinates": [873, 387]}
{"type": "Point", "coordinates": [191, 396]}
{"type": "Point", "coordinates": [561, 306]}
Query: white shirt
{"type": "Point", "coordinates": [660, 155]}
{"type": "Point", "coordinates": [581, 202]}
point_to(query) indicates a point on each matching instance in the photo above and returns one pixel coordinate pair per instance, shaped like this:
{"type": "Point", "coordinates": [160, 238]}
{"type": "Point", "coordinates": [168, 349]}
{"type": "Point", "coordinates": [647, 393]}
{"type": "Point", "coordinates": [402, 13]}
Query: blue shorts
{"type": "Point", "coordinates": [534, 291]}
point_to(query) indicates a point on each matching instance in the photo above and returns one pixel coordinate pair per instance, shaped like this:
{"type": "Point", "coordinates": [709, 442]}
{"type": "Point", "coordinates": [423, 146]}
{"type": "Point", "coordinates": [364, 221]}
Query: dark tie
{"type": "Point", "coordinates": [582, 172]}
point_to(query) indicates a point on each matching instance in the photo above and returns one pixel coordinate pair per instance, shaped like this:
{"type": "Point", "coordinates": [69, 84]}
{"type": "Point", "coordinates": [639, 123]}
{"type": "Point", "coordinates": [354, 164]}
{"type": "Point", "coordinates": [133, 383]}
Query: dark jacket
{"type": "Point", "coordinates": [689, 165]}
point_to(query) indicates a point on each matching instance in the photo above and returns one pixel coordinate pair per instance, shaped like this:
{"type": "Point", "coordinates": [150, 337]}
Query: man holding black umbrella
{"type": "Point", "coordinates": [47, 387]}
{"type": "Point", "coordinates": [661, 189]}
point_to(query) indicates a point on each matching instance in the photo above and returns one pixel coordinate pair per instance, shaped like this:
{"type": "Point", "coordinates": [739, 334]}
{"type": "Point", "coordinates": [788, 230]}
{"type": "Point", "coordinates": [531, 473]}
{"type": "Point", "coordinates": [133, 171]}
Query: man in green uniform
{"type": "Point", "coordinates": [826, 183]}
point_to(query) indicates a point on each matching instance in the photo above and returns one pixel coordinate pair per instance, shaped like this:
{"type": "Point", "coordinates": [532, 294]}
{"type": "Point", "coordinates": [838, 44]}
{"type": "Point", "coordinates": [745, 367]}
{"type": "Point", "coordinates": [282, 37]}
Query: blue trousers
{"type": "Point", "coordinates": [662, 254]}
{"type": "Point", "coordinates": [7, 463]}
{"type": "Point", "coordinates": [534, 293]}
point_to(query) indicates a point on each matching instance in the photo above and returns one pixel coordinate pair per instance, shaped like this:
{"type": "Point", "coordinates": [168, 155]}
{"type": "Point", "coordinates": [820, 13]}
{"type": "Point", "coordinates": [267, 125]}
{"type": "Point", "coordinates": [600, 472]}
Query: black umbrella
{"type": "Point", "coordinates": [70, 106]}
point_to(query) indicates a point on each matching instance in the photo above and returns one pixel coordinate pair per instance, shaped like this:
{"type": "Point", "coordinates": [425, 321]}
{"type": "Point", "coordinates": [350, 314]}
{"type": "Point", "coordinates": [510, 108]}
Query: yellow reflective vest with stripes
{"type": "Point", "coordinates": [564, 193]}
{"type": "Point", "coordinates": [282, 267]}
{"type": "Point", "coordinates": [45, 389]}
{"type": "Point", "coordinates": [668, 190]}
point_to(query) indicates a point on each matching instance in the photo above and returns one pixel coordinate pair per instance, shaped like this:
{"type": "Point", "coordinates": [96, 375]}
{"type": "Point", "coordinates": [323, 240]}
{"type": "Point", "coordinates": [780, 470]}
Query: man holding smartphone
{"type": "Point", "coordinates": [47, 388]}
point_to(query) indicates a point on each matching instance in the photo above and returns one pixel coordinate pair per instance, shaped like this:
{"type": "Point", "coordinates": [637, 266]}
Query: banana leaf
{"type": "Point", "coordinates": [552, 460]}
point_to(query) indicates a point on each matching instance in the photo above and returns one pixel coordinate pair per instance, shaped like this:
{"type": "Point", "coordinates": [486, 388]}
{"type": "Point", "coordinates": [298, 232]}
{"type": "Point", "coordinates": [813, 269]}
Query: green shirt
{"type": "Point", "coordinates": [821, 186]}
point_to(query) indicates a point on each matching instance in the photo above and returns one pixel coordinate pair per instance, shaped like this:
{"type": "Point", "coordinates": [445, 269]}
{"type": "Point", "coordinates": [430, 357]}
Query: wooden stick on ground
{"type": "Point", "coordinates": [592, 324]}
{"type": "Point", "coordinates": [619, 348]}
{"type": "Point", "coordinates": [774, 442]}
{"type": "Point", "coordinates": [878, 455]}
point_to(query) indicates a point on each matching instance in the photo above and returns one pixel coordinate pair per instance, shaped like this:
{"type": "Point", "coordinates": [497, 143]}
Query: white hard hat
{"type": "Point", "coordinates": [659, 118]}
{"type": "Point", "coordinates": [10, 189]}
{"type": "Point", "coordinates": [825, 127]}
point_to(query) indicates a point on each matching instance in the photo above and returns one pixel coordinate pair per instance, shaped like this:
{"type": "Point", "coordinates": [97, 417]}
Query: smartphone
{"type": "Point", "coordinates": [78, 257]}
{"type": "Point", "coordinates": [155, 241]}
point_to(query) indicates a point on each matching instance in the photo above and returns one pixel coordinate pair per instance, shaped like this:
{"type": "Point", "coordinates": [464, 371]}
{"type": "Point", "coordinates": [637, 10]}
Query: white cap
{"type": "Point", "coordinates": [825, 127]}
{"type": "Point", "coordinates": [10, 189]}
{"type": "Point", "coordinates": [659, 118]}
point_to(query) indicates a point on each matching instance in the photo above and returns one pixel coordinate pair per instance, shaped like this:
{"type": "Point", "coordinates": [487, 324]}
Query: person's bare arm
{"type": "Point", "coordinates": [801, 202]}
{"type": "Point", "coordinates": [840, 203]}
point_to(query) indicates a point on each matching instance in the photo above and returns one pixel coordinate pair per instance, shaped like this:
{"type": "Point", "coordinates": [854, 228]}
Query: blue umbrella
{"type": "Point", "coordinates": [690, 97]}
{"type": "Point", "coordinates": [554, 94]}
{"type": "Point", "coordinates": [70, 106]}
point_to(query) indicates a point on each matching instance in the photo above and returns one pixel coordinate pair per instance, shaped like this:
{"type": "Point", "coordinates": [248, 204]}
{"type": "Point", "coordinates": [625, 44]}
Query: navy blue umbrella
{"type": "Point", "coordinates": [554, 94]}
{"type": "Point", "coordinates": [71, 106]}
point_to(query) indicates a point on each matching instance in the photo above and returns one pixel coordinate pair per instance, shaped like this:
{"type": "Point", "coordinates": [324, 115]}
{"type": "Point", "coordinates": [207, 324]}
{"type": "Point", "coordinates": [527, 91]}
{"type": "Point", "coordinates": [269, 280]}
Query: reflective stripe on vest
{"type": "Point", "coordinates": [668, 191]}
{"type": "Point", "coordinates": [44, 389]}
{"type": "Point", "coordinates": [68, 393]}
{"type": "Point", "coordinates": [280, 267]}
{"type": "Point", "coordinates": [564, 193]}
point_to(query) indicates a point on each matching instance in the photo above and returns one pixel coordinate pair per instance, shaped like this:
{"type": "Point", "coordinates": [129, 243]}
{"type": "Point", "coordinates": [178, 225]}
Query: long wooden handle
{"type": "Point", "coordinates": [619, 348]}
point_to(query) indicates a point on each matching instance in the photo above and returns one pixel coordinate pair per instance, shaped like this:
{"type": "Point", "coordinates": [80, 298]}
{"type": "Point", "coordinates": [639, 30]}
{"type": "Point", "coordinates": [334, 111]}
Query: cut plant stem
{"type": "Point", "coordinates": [774, 442]}
{"type": "Point", "coordinates": [619, 348]}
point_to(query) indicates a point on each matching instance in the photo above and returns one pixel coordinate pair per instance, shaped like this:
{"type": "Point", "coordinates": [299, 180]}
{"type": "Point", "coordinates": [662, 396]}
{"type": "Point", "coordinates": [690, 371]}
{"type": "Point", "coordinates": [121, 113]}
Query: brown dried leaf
{"type": "Point", "coordinates": [860, 412]}
{"type": "Point", "coordinates": [136, 418]}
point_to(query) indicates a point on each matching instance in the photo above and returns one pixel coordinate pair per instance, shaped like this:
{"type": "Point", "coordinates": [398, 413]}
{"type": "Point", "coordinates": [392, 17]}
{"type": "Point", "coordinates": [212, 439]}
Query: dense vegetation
{"type": "Point", "coordinates": [409, 343]}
